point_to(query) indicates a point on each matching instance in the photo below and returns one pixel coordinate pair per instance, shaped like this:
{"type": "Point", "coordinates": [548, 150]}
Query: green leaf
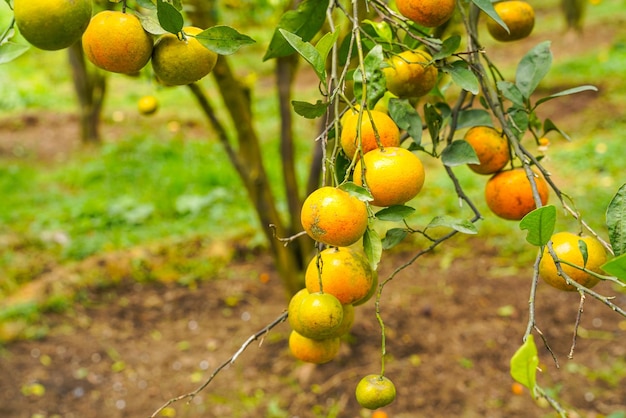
{"type": "Point", "coordinates": [326, 43]}
{"type": "Point", "coordinates": [150, 23]}
{"type": "Point", "coordinates": [460, 225]}
{"type": "Point", "coordinates": [373, 247]}
{"type": "Point", "coordinates": [519, 120]}
{"type": "Point", "coordinates": [532, 68]}
{"type": "Point", "coordinates": [548, 126]}
{"type": "Point", "coordinates": [146, 4]}
{"type": "Point", "coordinates": [11, 50]}
{"type": "Point", "coordinates": [223, 40]}
{"type": "Point", "coordinates": [616, 221]}
{"type": "Point", "coordinates": [407, 118]}
{"type": "Point", "coordinates": [566, 93]}
{"type": "Point", "coordinates": [170, 19]}
{"type": "Point", "coordinates": [540, 224]}
{"type": "Point", "coordinates": [462, 76]}
{"type": "Point", "coordinates": [434, 121]}
{"type": "Point", "coordinates": [395, 213]}
{"type": "Point", "coordinates": [374, 77]}
{"type": "Point", "coordinates": [382, 29]}
{"type": "Point", "coordinates": [524, 364]}
{"type": "Point", "coordinates": [582, 247]}
{"type": "Point", "coordinates": [308, 52]}
{"type": "Point", "coordinates": [458, 153]}
{"type": "Point", "coordinates": [487, 7]}
{"type": "Point", "coordinates": [616, 267]}
{"type": "Point", "coordinates": [308, 110]}
{"type": "Point", "coordinates": [359, 192]}
{"type": "Point", "coordinates": [511, 92]}
{"type": "Point", "coordinates": [393, 237]}
{"type": "Point", "coordinates": [448, 47]}
{"type": "Point", "coordinates": [473, 117]}
{"type": "Point", "coordinates": [304, 22]}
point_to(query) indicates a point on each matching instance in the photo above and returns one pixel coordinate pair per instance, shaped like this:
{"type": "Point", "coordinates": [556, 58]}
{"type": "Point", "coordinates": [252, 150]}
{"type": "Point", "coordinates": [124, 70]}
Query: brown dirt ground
{"type": "Point", "coordinates": [453, 321]}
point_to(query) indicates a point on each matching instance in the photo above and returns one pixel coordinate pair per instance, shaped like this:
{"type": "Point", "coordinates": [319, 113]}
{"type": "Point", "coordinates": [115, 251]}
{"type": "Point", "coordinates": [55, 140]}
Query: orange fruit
{"type": "Point", "coordinates": [313, 351]}
{"type": "Point", "coordinates": [345, 273]}
{"type": "Point", "coordinates": [393, 175]}
{"type": "Point", "coordinates": [179, 62]}
{"type": "Point", "coordinates": [296, 324]}
{"type": "Point", "coordinates": [411, 74]}
{"type": "Point", "coordinates": [316, 315]}
{"type": "Point", "coordinates": [565, 245]}
{"type": "Point", "coordinates": [375, 391]}
{"type": "Point", "coordinates": [372, 291]}
{"type": "Point", "coordinates": [491, 147]}
{"type": "Point", "coordinates": [429, 13]}
{"type": "Point", "coordinates": [116, 42]}
{"type": "Point", "coordinates": [52, 24]}
{"type": "Point", "coordinates": [509, 193]}
{"type": "Point", "coordinates": [334, 217]}
{"type": "Point", "coordinates": [519, 17]}
{"type": "Point", "coordinates": [379, 414]}
{"type": "Point", "coordinates": [148, 105]}
{"type": "Point", "coordinates": [388, 132]}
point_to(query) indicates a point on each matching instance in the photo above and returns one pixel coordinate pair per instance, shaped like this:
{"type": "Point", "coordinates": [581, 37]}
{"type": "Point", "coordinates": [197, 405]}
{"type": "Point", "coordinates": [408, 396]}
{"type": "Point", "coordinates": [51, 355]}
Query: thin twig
{"type": "Point", "coordinates": [576, 325]}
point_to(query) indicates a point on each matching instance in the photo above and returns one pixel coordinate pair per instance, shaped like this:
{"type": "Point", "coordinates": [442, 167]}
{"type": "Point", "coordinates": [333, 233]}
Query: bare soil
{"type": "Point", "coordinates": [453, 320]}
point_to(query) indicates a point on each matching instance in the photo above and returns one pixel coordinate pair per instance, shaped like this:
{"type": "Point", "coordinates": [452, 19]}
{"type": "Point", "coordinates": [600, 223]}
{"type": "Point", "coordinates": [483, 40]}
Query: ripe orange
{"type": "Point", "coordinates": [491, 147]}
{"type": "Point", "coordinates": [334, 217]}
{"type": "Point", "coordinates": [393, 175]}
{"type": "Point", "coordinates": [411, 74]}
{"type": "Point", "coordinates": [375, 391]}
{"type": "Point", "coordinates": [317, 315]}
{"type": "Point", "coordinates": [379, 414]}
{"type": "Point", "coordinates": [565, 245]}
{"type": "Point", "coordinates": [313, 351]}
{"type": "Point", "coordinates": [52, 24]}
{"type": "Point", "coordinates": [519, 17]}
{"type": "Point", "coordinates": [179, 62]}
{"type": "Point", "coordinates": [388, 132]}
{"type": "Point", "coordinates": [345, 273]}
{"type": "Point", "coordinates": [372, 291]}
{"type": "Point", "coordinates": [429, 13]}
{"type": "Point", "coordinates": [148, 105]}
{"type": "Point", "coordinates": [509, 193]}
{"type": "Point", "coordinates": [116, 42]}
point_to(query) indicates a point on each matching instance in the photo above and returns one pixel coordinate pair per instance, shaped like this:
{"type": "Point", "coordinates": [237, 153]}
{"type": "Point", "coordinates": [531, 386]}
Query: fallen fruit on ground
{"type": "Point", "coordinates": [345, 273]}
{"type": "Point", "coordinates": [179, 62]}
{"type": "Point", "coordinates": [52, 24]}
{"type": "Point", "coordinates": [393, 175]}
{"type": "Point", "coordinates": [567, 248]}
{"type": "Point", "coordinates": [519, 17]}
{"type": "Point", "coordinates": [116, 42]}
{"type": "Point", "coordinates": [491, 147]}
{"type": "Point", "coordinates": [428, 13]}
{"type": "Point", "coordinates": [410, 74]}
{"type": "Point", "coordinates": [313, 351]}
{"type": "Point", "coordinates": [334, 217]}
{"type": "Point", "coordinates": [509, 193]}
{"type": "Point", "coordinates": [372, 123]}
{"type": "Point", "coordinates": [375, 391]}
{"type": "Point", "coordinates": [148, 105]}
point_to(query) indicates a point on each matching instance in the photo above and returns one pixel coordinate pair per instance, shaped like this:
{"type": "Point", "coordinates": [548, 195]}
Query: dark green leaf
{"type": "Point", "coordinates": [374, 77]}
{"type": "Point", "coordinates": [308, 110]}
{"type": "Point", "coordinates": [304, 22]}
{"type": "Point", "coordinates": [487, 7]}
{"type": "Point", "coordinates": [462, 76]}
{"type": "Point", "coordinates": [373, 247]}
{"type": "Point", "coordinates": [524, 364]}
{"type": "Point", "coordinates": [393, 237]}
{"type": "Point", "coordinates": [582, 246]}
{"type": "Point", "coordinates": [407, 118]}
{"type": "Point", "coordinates": [359, 192]}
{"type": "Point", "coordinates": [566, 93]}
{"type": "Point", "coordinates": [223, 40]}
{"type": "Point", "coordinates": [473, 117]}
{"type": "Point", "coordinates": [460, 225]}
{"type": "Point", "coordinates": [519, 121]}
{"type": "Point", "coordinates": [616, 267]}
{"type": "Point", "coordinates": [532, 68]}
{"type": "Point", "coordinates": [448, 47]}
{"type": "Point", "coordinates": [616, 221]}
{"type": "Point", "coordinates": [395, 213]}
{"type": "Point", "coordinates": [511, 92]}
{"type": "Point", "coordinates": [308, 52]}
{"type": "Point", "coordinates": [540, 225]}
{"type": "Point", "coordinates": [548, 126]}
{"type": "Point", "coordinates": [11, 50]}
{"type": "Point", "coordinates": [170, 19]}
{"type": "Point", "coordinates": [458, 153]}
{"type": "Point", "coordinates": [434, 122]}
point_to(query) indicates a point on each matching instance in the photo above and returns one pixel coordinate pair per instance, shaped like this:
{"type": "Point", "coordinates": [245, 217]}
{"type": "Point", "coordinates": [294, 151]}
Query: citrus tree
{"type": "Point", "coordinates": [397, 86]}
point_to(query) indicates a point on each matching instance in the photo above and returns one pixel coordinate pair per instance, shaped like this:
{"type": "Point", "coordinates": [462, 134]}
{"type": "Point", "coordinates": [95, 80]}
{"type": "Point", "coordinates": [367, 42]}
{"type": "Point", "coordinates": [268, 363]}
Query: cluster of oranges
{"type": "Point", "coordinates": [114, 41]}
